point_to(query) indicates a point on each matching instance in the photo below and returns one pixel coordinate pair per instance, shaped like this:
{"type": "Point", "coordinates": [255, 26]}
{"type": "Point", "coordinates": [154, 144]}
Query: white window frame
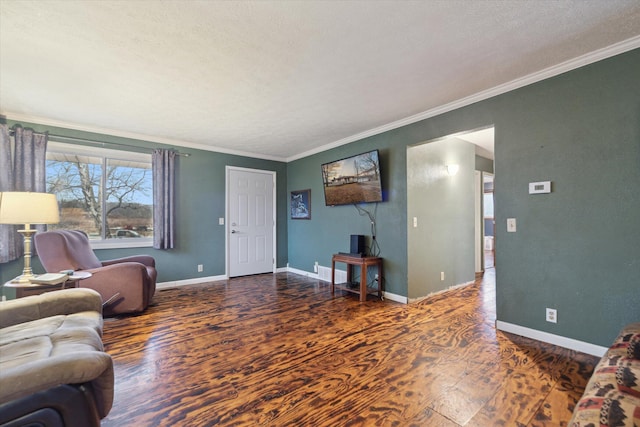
{"type": "Point", "coordinates": [64, 148]}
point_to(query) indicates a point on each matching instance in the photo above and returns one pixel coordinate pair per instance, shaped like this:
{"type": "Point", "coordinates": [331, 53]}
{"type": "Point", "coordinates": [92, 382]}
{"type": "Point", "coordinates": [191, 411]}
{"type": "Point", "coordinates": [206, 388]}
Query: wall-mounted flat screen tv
{"type": "Point", "coordinates": [355, 179]}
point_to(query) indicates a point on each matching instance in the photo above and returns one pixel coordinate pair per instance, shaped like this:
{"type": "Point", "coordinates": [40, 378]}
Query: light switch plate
{"type": "Point", "coordinates": [511, 225]}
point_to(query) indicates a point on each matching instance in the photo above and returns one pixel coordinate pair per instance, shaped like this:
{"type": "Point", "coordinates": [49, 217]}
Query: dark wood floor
{"type": "Point", "coordinates": [280, 350]}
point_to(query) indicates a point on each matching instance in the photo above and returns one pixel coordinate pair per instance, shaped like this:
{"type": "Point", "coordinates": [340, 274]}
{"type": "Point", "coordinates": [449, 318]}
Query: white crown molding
{"type": "Point", "coordinates": [132, 135]}
{"type": "Point", "coordinates": [572, 64]}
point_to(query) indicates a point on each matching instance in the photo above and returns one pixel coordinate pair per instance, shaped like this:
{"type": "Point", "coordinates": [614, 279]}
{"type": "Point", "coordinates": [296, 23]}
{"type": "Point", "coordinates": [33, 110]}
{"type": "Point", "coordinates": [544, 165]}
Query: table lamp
{"type": "Point", "coordinates": [18, 207]}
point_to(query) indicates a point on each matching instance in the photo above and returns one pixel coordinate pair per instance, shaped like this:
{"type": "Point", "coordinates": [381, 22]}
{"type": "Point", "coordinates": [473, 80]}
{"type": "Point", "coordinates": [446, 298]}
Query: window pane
{"type": "Point", "coordinates": [76, 182]}
{"type": "Point", "coordinates": [128, 194]}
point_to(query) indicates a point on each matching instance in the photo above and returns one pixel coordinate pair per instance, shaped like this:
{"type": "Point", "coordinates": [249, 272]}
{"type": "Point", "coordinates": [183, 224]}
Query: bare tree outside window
{"type": "Point", "coordinates": [355, 179]}
{"type": "Point", "coordinates": [106, 198]}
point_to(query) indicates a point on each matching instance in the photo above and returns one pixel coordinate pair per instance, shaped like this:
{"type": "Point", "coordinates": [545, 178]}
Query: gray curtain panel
{"type": "Point", "coordinates": [30, 163]}
{"type": "Point", "coordinates": [26, 172]}
{"type": "Point", "coordinates": [8, 236]}
{"type": "Point", "coordinates": [163, 164]}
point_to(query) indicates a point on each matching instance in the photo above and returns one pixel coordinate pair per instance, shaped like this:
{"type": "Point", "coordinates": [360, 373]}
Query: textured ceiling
{"type": "Point", "coordinates": [280, 79]}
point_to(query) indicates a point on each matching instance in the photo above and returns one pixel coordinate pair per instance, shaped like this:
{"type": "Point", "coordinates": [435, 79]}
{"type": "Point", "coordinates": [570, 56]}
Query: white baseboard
{"type": "Point", "coordinates": [395, 297]}
{"type": "Point", "coordinates": [570, 343]}
{"type": "Point", "coordinates": [341, 276]}
{"type": "Point", "coordinates": [461, 285]}
{"type": "Point", "coordinates": [301, 273]}
{"type": "Point", "coordinates": [194, 281]}
{"type": "Point", "coordinates": [198, 280]}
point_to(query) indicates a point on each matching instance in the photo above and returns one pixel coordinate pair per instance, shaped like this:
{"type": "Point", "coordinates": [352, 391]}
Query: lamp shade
{"type": "Point", "coordinates": [18, 207]}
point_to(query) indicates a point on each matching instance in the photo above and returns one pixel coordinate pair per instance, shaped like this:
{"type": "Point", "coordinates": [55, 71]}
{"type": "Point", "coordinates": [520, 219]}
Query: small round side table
{"type": "Point", "coordinates": [27, 289]}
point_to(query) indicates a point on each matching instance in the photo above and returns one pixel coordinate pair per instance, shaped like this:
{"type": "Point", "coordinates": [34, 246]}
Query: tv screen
{"type": "Point", "coordinates": [355, 179]}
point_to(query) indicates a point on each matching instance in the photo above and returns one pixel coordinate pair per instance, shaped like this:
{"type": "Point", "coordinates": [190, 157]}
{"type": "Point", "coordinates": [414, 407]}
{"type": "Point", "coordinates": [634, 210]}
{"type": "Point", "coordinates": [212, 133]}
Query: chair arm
{"type": "Point", "coordinates": [49, 304]}
{"type": "Point", "coordinates": [115, 275]}
{"type": "Point", "coordinates": [146, 260]}
{"type": "Point", "coordinates": [128, 280]}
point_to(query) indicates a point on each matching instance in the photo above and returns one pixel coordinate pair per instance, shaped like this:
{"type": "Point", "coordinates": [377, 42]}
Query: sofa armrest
{"type": "Point", "coordinates": [71, 405]}
{"type": "Point", "coordinates": [79, 367]}
{"type": "Point", "coordinates": [146, 260]}
{"type": "Point", "coordinates": [63, 302]}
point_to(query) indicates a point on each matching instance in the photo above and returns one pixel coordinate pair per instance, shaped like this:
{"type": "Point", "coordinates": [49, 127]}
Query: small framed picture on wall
{"type": "Point", "coordinates": [301, 204]}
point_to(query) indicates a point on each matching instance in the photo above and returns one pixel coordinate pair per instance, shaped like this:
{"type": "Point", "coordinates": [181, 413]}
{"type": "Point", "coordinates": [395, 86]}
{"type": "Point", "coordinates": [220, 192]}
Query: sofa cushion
{"type": "Point", "coordinates": [51, 340]}
{"type": "Point", "coordinates": [49, 304]}
{"type": "Point", "coordinates": [612, 395]}
{"type": "Point", "coordinates": [627, 344]}
{"type": "Point", "coordinates": [65, 356]}
{"type": "Point", "coordinates": [616, 373]}
{"type": "Point", "coordinates": [37, 348]}
{"type": "Point", "coordinates": [614, 409]}
{"type": "Point", "coordinates": [48, 325]}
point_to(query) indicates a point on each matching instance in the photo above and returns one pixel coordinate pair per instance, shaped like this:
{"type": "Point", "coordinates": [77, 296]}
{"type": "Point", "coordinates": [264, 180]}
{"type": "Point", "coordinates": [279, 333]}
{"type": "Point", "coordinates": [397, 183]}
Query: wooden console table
{"type": "Point", "coordinates": [363, 262]}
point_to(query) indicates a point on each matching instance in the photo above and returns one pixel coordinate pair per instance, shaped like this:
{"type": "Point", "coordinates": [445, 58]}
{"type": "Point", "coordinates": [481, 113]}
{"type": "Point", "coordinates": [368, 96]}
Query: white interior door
{"type": "Point", "coordinates": [250, 221]}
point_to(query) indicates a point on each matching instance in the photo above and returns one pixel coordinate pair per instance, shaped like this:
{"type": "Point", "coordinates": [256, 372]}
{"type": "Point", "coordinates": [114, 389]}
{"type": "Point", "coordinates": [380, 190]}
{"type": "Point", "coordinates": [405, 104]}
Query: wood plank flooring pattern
{"type": "Point", "coordinates": [280, 350]}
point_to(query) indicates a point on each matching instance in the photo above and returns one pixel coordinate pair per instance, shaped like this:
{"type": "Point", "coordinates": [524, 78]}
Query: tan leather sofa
{"type": "Point", "coordinates": [127, 284]}
{"type": "Point", "coordinates": [53, 368]}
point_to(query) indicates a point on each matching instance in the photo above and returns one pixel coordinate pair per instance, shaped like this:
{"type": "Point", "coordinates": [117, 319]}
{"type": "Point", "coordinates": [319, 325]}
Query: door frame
{"type": "Point", "coordinates": [228, 170]}
{"type": "Point", "coordinates": [480, 179]}
{"type": "Point", "coordinates": [479, 220]}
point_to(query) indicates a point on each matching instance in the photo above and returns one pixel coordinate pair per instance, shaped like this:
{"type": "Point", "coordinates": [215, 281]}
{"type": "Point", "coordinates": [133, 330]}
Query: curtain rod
{"type": "Point", "coordinates": [73, 138]}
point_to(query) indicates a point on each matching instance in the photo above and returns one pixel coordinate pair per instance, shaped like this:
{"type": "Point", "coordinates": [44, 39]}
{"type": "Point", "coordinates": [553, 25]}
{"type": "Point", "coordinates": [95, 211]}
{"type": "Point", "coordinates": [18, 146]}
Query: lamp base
{"type": "Point", "coordinates": [27, 272]}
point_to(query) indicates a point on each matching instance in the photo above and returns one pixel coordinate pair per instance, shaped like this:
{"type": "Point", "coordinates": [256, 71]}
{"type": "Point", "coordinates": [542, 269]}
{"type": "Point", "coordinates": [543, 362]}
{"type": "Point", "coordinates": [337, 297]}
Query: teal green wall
{"type": "Point", "coordinates": [483, 164]}
{"type": "Point", "coordinates": [329, 229]}
{"type": "Point", "coordinates": [200, 193]}
{"type": "Point", "coordinates": [576, 249]}
{"type": "Point", "coordinates": [444, 206]}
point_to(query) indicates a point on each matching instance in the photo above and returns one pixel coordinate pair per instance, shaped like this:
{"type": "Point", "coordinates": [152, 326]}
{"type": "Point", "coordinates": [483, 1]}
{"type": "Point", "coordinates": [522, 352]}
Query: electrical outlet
{"type": "Point", "coordinates": [200, 268]}
{"type": "Point", "coordinates": [315, 267]}
{"type": "Point", "coordinates": [552, 315]}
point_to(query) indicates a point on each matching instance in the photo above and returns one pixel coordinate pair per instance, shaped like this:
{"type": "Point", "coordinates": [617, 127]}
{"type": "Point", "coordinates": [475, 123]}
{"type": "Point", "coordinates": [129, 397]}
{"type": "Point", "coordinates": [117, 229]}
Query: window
{"type": "Point", "coordinates": [105, 193]}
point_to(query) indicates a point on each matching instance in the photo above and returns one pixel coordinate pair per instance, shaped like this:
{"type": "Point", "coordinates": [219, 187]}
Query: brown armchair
{"type": "Point", "coordinates": [126, 284]}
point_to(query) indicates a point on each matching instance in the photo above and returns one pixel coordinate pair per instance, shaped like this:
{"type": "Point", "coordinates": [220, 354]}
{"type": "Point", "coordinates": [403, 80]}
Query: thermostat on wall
{"type": "Point", "coordinates": [540, 187]}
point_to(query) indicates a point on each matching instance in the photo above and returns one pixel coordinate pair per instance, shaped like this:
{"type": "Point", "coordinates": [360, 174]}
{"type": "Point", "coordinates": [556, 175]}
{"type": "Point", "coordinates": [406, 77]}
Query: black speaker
{"type": "Point", "coordinates": [357, 245]}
